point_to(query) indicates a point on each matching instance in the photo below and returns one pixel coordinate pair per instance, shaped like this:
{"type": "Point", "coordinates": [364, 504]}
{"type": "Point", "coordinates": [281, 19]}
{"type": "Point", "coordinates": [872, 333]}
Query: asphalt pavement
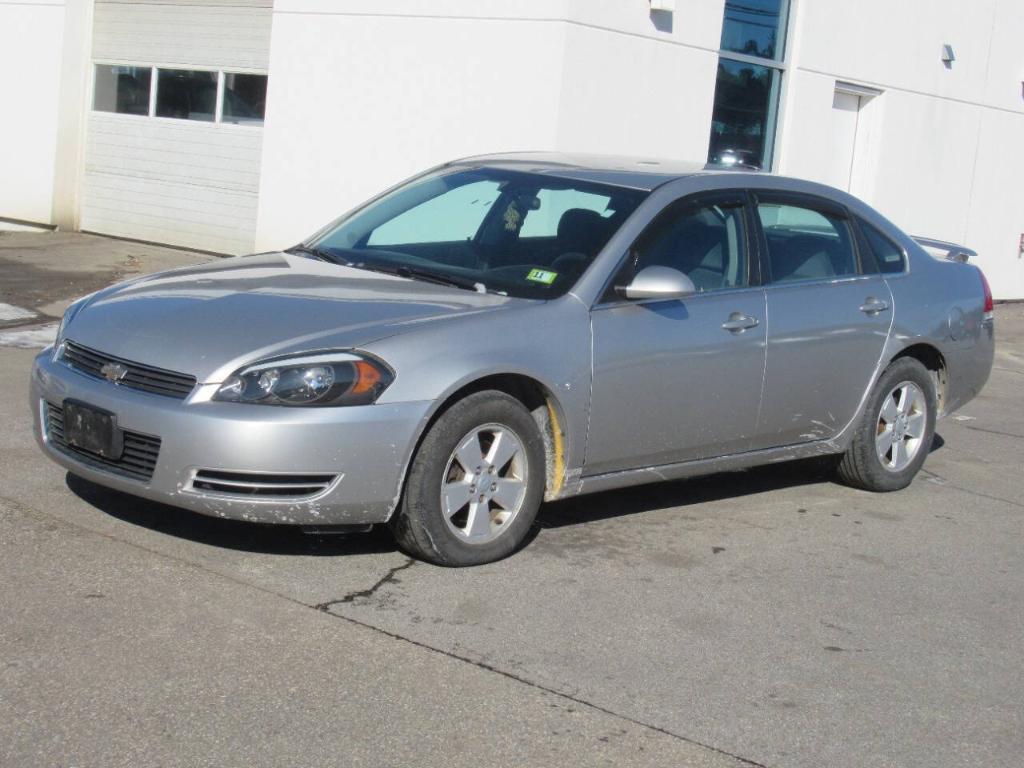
{"type": "Point", "coordinates": [760, 618]}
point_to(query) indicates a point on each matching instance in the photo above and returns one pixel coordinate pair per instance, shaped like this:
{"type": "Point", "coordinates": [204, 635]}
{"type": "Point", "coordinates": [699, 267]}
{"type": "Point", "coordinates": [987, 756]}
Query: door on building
{"type": "Point", "coordinates": [173, 153]}
{"type": "Point", "coordinates": [849, 132]}
{"type": "Point", "coordinates": [845, 112]}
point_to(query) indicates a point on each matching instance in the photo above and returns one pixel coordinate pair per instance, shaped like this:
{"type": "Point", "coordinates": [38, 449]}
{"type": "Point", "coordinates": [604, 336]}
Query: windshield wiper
{"type": "Point", "coordinates": [427, 276]}
{"type": "Point", "coordinates": [321, 253]}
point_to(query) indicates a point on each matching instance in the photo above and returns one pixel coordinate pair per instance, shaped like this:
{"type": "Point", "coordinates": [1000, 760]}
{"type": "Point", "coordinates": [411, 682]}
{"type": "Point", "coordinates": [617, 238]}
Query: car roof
{"type": "Point", "coordinates": [643, 173]}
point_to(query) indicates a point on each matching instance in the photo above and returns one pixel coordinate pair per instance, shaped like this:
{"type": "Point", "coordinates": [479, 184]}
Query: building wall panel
{"type": "Point", "coordinates": [167, 181]}
{"type": "Point", "coordinates": [30, 70]}
{"type": "Point", "coordinates": [209, 35]}
{"type": "Point", "coordinates": [357, 103]}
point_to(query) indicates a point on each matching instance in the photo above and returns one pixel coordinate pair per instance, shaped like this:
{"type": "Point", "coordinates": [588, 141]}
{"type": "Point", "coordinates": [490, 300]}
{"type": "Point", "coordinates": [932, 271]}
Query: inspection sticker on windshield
{"type": "Point", "coordinates": [542, 276]}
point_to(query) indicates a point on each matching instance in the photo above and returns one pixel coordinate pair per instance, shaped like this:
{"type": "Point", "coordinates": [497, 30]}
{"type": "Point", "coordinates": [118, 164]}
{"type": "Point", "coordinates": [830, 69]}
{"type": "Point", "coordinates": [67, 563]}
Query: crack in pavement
{"type": "Point", "coordinates": [541, 687]}
{"type": "Point", "coordinates": [993, 431]}
{"type": "Point", "coordinates": [388, 578]}
{"type": "Point", "coordinates": [17, 506]}
{"type": "Point", "coordinates": [968, 491]}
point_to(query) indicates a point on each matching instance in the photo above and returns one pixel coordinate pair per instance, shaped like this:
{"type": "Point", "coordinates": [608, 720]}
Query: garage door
{"type": "Point", "coordinates": [175, 132]}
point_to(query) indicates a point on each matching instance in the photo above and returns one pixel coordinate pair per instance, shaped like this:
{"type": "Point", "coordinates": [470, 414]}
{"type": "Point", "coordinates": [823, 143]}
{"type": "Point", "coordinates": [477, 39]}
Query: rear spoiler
{"type": "Point", "coordinates": [950, 251]}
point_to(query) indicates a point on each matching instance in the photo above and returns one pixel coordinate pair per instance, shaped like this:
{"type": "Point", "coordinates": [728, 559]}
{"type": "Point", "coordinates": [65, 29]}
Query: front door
{"type": "Point", "coordinates": [828, 321]}
{"type": "Point", "coordinates": [679, 380]}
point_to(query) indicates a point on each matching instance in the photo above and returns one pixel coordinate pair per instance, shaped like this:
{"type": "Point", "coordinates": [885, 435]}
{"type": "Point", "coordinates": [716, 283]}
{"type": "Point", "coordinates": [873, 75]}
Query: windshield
{"type": "Point", "coordinates": [526, 235]}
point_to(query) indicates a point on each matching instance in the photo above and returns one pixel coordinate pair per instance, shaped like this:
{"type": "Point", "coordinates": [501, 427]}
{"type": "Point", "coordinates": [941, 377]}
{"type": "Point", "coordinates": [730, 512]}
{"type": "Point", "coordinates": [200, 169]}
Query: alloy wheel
{"type": "Point", "coordinates": [484, 483]}
{"type": "Point", "coordinates": [902, 420]}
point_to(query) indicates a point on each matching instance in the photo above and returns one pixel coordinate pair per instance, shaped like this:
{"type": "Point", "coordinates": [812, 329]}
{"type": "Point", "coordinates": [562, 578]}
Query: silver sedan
{"type": "Point", "coordinates": [513, 328]}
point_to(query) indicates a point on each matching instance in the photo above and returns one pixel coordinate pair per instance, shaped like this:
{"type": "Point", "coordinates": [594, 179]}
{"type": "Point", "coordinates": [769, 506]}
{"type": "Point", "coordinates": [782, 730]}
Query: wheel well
{"type": "Point", "coordinates": [541, 404]}
{"type": "Point", "coordinates": [933, 360]}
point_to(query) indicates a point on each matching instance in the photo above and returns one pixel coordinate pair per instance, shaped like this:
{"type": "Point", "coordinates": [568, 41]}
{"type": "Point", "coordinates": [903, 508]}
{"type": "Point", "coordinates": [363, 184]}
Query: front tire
{"type": "Point", "coordinates": [475, 483]}
{"type": "Point", "coordinates": [895, 434]}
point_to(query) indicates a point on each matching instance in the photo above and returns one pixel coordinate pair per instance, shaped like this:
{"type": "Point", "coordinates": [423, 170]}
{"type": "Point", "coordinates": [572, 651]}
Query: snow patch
{"type": "Point", "coordinates": [10, 312]}
{"type": "Point", "coordinates": [30, 338]}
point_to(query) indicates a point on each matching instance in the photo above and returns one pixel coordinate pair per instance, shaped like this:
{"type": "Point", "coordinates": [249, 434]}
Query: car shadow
{"type": "Point", "coordinates": [230, 534]}
{"type": "Point", "coordinates": [697, 490]}
{"type": "Point", "coordinates": [684, 493]}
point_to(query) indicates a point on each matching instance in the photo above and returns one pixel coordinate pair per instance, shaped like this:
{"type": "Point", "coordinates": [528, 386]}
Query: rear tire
{"type": "Point", "coordinates": [475, 483]}
{"type": "Point", "coordinates": [895, 434]}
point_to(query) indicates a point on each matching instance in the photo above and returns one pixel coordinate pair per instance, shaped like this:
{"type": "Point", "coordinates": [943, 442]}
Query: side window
{"type": "Point", "coordinates": [806, 244]}
{"type": "Point", "coordinates": [889, 256]}
{"type": "Point", "coordinates": [707, 243]}
{"type": "Point", "coordinates": [447, 218]}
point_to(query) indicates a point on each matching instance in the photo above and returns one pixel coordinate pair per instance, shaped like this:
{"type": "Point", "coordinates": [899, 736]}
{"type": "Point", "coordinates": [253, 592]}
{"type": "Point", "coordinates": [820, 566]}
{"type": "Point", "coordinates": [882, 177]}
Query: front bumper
{"type": "Point", "coordinates": [366, 447]}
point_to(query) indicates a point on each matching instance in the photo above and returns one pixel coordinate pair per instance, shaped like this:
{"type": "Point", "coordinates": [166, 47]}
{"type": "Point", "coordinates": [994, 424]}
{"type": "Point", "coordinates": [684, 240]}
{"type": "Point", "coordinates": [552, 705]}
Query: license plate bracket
{"type": "Point", "coordinates": [92, 430]}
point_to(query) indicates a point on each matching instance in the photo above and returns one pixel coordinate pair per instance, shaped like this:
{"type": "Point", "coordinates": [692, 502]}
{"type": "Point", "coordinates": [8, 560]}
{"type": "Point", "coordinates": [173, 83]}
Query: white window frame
{"type": "Point", "coordinates": [154, 84]}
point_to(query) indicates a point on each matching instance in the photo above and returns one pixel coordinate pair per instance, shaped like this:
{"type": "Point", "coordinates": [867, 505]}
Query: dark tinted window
{"type": "Point", "coordinates": [245, 98]}
{"type": "Point", "coordinates": [754, 27]}
{"type": "Point", "coordinates": [747, 92]}
{"type": "Point", "coordinates": [890, 257]}
{"type": "Point", "coordinates": [707, 243]}
{"type": "Point", "coordinates": [806, 244]}
{"type": "Point", "coordinates": [187, 94]}
{"type": "Point", "coordinates": [743, 120]}
{"type": "Point", "coordinates": [122, 89]}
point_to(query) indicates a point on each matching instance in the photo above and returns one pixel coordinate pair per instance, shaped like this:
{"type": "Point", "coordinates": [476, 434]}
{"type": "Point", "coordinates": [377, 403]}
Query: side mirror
{"type": "Point", "coordinates": [658, 283]}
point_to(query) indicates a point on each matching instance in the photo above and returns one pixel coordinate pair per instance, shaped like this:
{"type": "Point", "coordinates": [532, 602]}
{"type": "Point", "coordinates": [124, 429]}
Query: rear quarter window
{"type": "Point", "coordinates": [890, 257]}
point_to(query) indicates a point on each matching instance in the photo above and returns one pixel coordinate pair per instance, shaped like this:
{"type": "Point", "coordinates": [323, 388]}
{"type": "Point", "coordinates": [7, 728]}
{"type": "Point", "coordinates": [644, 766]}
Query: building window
{"type": "Point", "coordinates": [202, 95]}
{"type": "Point", "coordinates": [122, 89]}
{"type": "Point", "coordinates": [751, 65]}
{"type": "Point", "coordinates": [186, 94]}
{"type": "Point", "coordinates": [245, 98]}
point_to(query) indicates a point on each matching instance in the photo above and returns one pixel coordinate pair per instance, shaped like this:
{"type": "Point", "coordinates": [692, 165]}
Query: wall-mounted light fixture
{"type": "Point", "coordinates": [948, 57]}
{"type": "Point", "coordinates": [663, 5]}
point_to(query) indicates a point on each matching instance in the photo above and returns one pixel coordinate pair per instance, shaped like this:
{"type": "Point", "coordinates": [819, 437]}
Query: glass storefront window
{"type": "Point", "coordinates": [743, 121]}
{"type": "Point", "coordinates": [750, 72]}
{"type": "Point", "coordinates": [754, 27]}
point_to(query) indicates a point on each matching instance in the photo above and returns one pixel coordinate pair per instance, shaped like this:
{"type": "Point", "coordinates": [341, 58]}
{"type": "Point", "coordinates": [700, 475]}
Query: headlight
{"type": "Point", "coordinates": [315, 380]}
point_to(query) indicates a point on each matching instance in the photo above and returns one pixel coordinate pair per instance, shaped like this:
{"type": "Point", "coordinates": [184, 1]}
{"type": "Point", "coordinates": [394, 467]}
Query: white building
{"type": "Point", "coordinates": [234, 125]}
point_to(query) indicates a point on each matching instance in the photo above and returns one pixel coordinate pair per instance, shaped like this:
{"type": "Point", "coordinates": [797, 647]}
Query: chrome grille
{"type": "Point", "coordinates": [141, 377]}
{"type": "Point", "coordinates": [260, 484]}
{"type": "Point", "coordinates": [137, 462]}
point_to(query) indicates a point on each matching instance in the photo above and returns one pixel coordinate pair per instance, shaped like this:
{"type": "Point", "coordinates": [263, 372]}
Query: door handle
{"type": "Point", "coordinates": [738, 323]}
{"type": "Point", "coordinates": [873, 306]}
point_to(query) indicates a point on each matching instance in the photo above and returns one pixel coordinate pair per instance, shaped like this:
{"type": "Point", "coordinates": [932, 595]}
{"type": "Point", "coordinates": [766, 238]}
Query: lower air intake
{"type": "Point", "coordinates": [258, 484]}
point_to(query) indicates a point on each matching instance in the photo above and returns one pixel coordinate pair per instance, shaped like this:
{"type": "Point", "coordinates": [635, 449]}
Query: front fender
{"type": "Point", "coordinates": [548, 343]}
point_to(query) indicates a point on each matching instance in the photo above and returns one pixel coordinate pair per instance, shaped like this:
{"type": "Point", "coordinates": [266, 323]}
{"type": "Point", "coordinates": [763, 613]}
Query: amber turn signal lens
{"type": "Point", "coordinates": [367, 378]}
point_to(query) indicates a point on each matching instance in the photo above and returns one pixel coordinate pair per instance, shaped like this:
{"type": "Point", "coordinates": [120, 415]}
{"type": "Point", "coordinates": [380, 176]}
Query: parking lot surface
{"type": "Point", "coordinates": [761, 618]}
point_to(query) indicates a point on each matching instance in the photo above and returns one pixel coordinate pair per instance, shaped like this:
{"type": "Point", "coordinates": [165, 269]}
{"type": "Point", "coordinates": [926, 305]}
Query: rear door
{"type": "Point", "coordinates": [828, 321]}
{"type": "Point", "coordinates": [677, 380]}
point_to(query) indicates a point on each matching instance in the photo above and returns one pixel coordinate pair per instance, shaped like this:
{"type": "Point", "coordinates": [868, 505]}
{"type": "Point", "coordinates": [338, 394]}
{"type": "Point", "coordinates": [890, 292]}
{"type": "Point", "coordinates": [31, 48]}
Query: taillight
{"type": "Point", "coordinates": [989, 306]}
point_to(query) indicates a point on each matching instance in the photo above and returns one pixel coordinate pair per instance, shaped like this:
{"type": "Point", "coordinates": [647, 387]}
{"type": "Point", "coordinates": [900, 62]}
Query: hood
{"type": "Point", "coordinates": [209, 320]}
